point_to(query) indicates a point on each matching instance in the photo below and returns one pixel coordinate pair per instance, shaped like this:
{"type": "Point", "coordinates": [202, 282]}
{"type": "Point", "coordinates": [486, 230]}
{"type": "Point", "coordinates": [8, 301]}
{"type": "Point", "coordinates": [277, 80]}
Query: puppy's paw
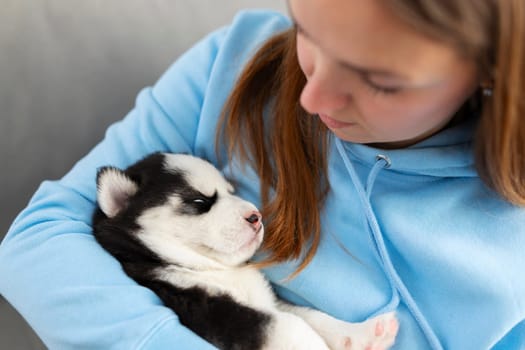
{"type": "Point", "coordinates": [378, 333]}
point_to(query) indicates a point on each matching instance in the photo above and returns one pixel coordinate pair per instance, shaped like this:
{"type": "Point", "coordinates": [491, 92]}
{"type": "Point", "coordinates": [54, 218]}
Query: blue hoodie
{"type": "Point", "coordinates": [412, 230]}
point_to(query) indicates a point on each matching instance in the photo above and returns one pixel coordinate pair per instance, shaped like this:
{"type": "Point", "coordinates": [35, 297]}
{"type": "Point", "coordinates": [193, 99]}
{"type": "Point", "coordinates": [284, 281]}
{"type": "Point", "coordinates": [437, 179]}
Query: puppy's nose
{"type": "Point", "coordinates": [254, 219]}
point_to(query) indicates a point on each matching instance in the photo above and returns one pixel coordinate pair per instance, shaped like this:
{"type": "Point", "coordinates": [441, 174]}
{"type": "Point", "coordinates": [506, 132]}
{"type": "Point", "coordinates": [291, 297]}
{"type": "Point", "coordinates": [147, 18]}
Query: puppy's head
{"type": "Point", "coordinates": [178, 204]}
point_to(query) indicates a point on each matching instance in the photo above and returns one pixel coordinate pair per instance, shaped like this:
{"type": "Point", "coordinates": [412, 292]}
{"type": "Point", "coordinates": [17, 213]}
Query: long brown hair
{"type": "Point", "coordinates": [263, 124]}
{"type": "Point", "coordinates": [263, 117]}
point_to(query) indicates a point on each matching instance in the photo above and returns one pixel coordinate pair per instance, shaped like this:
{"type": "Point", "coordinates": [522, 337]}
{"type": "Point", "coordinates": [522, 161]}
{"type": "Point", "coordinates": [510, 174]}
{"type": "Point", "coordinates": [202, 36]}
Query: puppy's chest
{"type": "Point", "coordinates": [245, 285]}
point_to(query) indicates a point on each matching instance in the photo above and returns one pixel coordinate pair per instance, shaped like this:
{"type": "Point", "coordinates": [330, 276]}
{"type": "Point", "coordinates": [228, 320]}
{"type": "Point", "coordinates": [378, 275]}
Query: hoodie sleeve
{"type": "Point", "coordinates": [72, 292]}
{"type": "Point", "coordinates": [52, 270]}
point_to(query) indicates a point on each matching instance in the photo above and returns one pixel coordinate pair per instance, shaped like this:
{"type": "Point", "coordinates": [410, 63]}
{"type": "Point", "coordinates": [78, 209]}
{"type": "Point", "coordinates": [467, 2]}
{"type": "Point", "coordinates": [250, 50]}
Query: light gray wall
{"type": "Point", "coordinates": [70, 68]}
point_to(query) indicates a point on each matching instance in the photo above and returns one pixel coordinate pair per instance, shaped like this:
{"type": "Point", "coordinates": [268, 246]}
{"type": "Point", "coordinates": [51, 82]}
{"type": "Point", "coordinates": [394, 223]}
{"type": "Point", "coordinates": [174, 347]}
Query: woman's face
{"type": "Point", "coordinates": [371, 78]}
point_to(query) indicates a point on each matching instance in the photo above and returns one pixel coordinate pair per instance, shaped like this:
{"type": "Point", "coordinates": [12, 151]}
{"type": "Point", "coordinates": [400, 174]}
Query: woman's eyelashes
{"type": "Point", "coordinates": [379, 89]}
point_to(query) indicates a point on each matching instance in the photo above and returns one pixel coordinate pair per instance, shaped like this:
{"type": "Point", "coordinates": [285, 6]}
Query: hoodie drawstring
{"type": "Point", "coordinates": [396, 284]}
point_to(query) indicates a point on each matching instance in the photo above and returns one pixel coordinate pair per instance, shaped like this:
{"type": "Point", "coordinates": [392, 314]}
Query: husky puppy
{"type": "Point", "coordinates": [176, 227]}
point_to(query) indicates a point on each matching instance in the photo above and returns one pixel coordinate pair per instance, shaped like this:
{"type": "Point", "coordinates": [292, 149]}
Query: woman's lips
{"type": "Point", "coordinates": [332, 123]}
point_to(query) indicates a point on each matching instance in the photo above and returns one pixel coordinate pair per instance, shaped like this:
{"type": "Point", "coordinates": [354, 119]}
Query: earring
{"type": "Point", "coordinates": [487, 92]}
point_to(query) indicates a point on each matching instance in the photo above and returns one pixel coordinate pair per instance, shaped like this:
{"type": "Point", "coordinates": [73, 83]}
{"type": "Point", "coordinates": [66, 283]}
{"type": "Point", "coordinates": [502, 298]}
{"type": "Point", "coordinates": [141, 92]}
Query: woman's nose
{"type": "Point", "coordinates": [321, 96]}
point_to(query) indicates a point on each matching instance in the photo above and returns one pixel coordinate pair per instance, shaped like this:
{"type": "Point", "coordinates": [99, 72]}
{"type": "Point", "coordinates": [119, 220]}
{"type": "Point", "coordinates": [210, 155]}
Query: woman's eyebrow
{"type": "Point", "coordinates": [364, 71]}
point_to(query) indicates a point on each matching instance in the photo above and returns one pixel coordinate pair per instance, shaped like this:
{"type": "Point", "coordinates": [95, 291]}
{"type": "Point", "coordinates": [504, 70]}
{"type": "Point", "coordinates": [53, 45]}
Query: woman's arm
{"type": "Point", "coordinates": [52, 270]}
{"type": "Point", "coordinates": [70, 290]}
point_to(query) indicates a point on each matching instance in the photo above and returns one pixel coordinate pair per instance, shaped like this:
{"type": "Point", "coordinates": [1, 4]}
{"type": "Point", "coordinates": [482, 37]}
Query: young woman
{"type": "Point", "coordinates": [384, 142]}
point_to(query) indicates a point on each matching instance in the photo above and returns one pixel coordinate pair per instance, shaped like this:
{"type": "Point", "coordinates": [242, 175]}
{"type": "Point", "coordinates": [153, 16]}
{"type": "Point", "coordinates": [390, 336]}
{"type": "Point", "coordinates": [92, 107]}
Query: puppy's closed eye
{"type": "Point", "coordinates": [201, 204]}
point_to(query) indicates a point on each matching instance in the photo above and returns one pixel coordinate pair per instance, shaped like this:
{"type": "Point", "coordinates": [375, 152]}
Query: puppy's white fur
{"type": "Point", "coordinates": [209, 251]}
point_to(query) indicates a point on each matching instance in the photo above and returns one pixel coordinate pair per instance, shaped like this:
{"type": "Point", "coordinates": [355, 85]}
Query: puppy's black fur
{"type": "Point", "coordinates": [218, 319]}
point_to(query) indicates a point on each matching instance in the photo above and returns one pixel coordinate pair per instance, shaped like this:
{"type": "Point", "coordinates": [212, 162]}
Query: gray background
{"type": "Point", "coordinates": [67, 70]}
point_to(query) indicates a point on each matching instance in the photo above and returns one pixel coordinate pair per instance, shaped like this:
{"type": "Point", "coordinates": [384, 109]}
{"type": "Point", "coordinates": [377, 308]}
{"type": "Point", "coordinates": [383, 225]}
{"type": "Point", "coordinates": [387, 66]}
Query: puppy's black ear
{"type": "Point", "coordinates": [115, 189]}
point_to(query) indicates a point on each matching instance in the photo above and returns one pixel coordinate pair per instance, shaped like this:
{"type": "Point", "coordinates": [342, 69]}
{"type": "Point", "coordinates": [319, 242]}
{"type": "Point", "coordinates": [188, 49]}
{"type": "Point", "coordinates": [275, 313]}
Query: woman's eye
{"type": "Point", "coordinates": [384, 90]}
{"type": "Point", "coordinates": [378, 89]}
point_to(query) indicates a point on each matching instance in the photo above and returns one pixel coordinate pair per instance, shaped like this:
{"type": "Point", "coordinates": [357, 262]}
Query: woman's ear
{"type": "Point", "coordinates": [114, 189]}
